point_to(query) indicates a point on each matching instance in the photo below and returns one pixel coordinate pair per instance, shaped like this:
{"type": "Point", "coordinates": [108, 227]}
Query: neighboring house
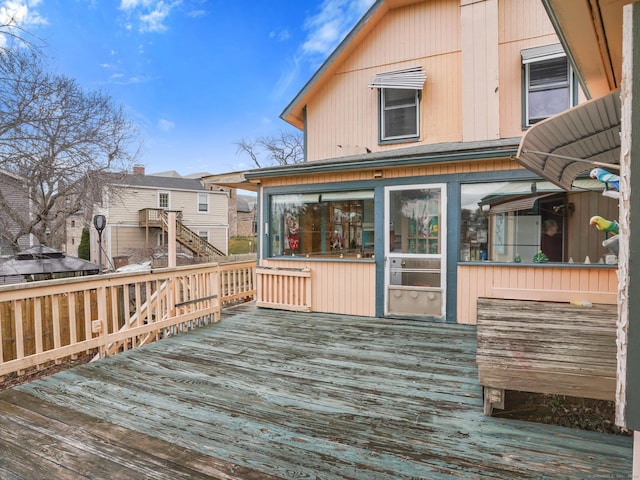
{"type": "Point", "coordinates": [14, 193]}
{"type": "Point", "coordinates": [410, 201]}
{"type": "Point", "coordinates": [73, 234]}
{"type": "Point", "coordinates": [134, 207]}
{"type": "Point", "coordinates": [246, 218]}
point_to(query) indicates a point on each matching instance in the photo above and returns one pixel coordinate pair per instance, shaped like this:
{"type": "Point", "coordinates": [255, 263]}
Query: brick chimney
{"type": "Point", "coordinates": [138, 169]}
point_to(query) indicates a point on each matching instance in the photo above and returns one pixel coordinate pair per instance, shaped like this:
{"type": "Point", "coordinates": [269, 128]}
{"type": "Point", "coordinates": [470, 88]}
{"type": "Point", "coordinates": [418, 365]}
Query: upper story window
{"type": "Point", "coordinates": [399, 103]}
{"type": "Point", "coordinates": [399, 114]}
{"type": "Point", "coordinates": [163, 199]}
{"type": "Point", "coordinates": [203, 202]}
{"type": "Point", "coordinates": [548, 83]}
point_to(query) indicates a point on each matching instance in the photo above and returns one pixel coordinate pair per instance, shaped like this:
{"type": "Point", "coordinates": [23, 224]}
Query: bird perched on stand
{"type": "Point", "coordinates": [611, 180]}
{"type": "Point", "coordinates": [604, 225]}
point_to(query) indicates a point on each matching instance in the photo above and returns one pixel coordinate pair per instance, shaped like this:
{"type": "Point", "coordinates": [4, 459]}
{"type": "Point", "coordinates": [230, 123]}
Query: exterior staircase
{"type": "Point", "coordinates": [158, 218]}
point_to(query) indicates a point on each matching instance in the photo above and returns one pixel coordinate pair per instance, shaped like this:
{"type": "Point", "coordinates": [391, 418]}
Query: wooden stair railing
{"type": "Point", "coordinates": [155, 217]}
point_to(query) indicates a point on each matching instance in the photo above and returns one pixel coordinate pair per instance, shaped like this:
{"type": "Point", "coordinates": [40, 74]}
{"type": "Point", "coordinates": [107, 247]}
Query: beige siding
{"type": "Point", "coordinates": [123, 235]}
{"type": "Point", "coordinates": [342, 118]}
{"type": "Point", "coordinates": [480, 70]}
{"type": "Point", "coordinates": [559, 284]}
{"type": "Point", "coordinates": [522, 24]}
{"type": "Point", "coordinates": [346, 288]}
{"type": "Point", "coordinates": [124, 239]}
{"type": "Point", "coordinates": [470, 52]}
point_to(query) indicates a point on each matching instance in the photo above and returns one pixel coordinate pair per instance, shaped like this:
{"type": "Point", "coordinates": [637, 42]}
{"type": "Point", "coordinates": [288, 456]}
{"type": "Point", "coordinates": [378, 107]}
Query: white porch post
{"type": "Point", "coordinates": [628, 384]}
{"type": "Point", "coordinates": [171, 248]}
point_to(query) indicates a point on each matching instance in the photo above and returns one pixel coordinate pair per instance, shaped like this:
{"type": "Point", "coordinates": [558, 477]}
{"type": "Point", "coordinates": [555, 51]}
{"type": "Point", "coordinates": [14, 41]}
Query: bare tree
{"type": "Point", "coordinates": [63, 141]}
{"type": "Point", "coordinates": [284, 149]}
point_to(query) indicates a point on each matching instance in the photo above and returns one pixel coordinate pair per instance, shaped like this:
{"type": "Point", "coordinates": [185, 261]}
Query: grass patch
{"type": "Point", "coordinates": [240, 245]}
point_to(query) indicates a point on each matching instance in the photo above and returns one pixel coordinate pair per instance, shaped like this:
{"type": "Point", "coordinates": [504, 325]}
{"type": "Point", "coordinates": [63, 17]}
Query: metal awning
{"type": "Point", "coordinates": [519, 203]}
{"type": "Point", "coordinates": [411, 79]}
{"type": "Point", "coordinates": [563, 146]}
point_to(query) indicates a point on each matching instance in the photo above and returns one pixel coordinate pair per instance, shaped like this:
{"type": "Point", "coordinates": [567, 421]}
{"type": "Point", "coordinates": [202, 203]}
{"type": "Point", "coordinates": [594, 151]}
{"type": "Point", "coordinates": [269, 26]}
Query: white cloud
{"type": "Point", "coordinates": [331, 24]}
{"type": "Point", "coordinates": [152, 15]}
{"type": "Point", "coordinates": [325, 30]}
{"type": "Point", "coordinates": [20, 13]}
{"type": "Point", "coordinates": [166, 125]}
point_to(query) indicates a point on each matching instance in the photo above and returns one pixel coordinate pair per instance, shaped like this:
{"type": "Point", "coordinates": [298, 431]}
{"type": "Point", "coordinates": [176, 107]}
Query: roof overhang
{"type": "Point", "coordinates": [402, 157]}
{"type": "Point", "coordinates": [563, 146]}
{"type": "Point", "coordinates": [231, 180]}
{"type": "Point", "coordinates": [591, 33]}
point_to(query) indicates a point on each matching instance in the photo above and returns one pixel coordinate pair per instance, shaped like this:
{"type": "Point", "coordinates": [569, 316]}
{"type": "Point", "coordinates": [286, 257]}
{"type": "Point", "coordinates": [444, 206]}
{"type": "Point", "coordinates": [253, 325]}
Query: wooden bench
{"type": "Point", "coordinates": [545, 347]}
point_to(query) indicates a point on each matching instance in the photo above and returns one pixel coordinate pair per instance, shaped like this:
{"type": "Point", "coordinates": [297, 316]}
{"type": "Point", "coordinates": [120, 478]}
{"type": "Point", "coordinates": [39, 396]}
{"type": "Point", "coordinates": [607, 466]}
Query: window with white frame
{"type": "Point", "coordinates": [399, 103]}
{"type": "Point", "coordinates": [548, 83]}
{"type": "Point", "coordinates": [163, 199]}
{"type": "Point", "coordinates": [203, 202]}
{"type": "Point", "coordinates": [204, 235]}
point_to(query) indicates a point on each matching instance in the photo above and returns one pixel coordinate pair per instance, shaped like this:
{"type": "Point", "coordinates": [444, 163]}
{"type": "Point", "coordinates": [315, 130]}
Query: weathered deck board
{"type": "Point", "coordinates": [288, 395]}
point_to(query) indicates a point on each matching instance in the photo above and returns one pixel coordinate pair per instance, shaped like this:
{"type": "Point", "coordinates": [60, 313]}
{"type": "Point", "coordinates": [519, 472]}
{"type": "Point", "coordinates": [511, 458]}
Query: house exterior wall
{"type": "Point", "coordinates": [522, 24]}
{"type": "Point", "coordinates": [123, 234]}
{"type": "Point", "coordinates": [342, 120]}
{"type": "Point", "coordinates": [15, 195]}
{"type": "Point", "coordinates": [470, 51]}
{"type": "Point", "coordinates": [346, 288]}
{"type": "Point", "coordinates": [582, 283]}
{"type": "Point", "coordinates": [246, 221]}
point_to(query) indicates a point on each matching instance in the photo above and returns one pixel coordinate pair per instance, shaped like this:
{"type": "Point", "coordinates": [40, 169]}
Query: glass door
{"type": "Point", "coordinates": [415, 250]}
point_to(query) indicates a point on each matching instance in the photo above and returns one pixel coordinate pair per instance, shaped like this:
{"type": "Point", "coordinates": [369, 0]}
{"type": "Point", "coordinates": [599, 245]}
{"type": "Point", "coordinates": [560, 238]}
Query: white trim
{"type": "Point", "coordinates": [545, 52]}
{"type": "Point", "coordinates": [442, 231]}
{"type": "Point", "coordinates": [206, 194]}
{"type": "Point", "coordinates": [409, 79]}
{"type": "Point", "coordinates": [168, 193]}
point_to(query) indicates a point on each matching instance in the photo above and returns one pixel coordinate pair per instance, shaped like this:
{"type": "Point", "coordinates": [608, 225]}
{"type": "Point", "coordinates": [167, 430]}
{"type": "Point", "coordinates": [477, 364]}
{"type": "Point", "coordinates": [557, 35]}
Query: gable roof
{"type": "Point", "coordinates": [294, 112]}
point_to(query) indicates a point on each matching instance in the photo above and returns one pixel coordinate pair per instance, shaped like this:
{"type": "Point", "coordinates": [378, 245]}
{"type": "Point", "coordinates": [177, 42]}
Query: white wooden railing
{"type": "Point", "coordinates": [284, 288]}
{"type": "Point", "coordinates": [50, 321]}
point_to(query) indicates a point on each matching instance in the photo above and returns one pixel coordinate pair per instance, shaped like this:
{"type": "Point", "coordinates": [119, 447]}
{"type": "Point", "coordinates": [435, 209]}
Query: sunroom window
{"type": "Point", "coordinates": [324, 224]}
{"type": "Point", "coordinates": [515, 221]}
{"type": "Point", "coordinates": [548, 85]}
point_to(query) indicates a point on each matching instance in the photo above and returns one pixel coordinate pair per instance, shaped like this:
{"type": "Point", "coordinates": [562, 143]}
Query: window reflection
{"type": "Point", "coordinates": [516, 221]}
{"type": "Point", "coordinates": [339, 224]}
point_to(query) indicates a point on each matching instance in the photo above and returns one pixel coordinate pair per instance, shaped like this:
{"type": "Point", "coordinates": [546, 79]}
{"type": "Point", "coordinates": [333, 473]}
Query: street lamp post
{"type": "Point", "coordinates": [99, 221]}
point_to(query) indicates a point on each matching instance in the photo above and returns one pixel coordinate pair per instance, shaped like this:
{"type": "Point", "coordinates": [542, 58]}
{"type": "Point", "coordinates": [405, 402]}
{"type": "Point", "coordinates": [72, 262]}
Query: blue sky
{"type": "Point", "coordinates": [194, 75]}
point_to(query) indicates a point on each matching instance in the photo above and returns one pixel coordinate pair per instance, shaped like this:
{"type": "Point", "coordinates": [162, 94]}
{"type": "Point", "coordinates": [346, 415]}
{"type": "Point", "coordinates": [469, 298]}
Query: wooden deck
{"type": "Point", "coordinates": [270, 394]}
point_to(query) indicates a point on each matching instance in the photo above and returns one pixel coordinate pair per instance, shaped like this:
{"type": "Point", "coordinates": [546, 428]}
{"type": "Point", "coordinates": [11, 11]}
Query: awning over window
{"type": "Point", "coordinates": [411, 79]}
{"type": "Point", "coordinates": [563, 146]}
{"type": "Point", "coordinates": [520, 203]}
{"type": "Point", "coordinates": [545, 52]}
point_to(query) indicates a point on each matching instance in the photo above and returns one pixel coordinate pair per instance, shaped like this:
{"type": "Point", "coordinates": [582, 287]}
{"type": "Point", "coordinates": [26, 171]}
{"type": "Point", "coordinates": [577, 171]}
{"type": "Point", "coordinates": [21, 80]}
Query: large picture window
{"type": "Point", "coordinates": [516, 221]}
{"type": "Point", "coordinates": [338, 224]}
